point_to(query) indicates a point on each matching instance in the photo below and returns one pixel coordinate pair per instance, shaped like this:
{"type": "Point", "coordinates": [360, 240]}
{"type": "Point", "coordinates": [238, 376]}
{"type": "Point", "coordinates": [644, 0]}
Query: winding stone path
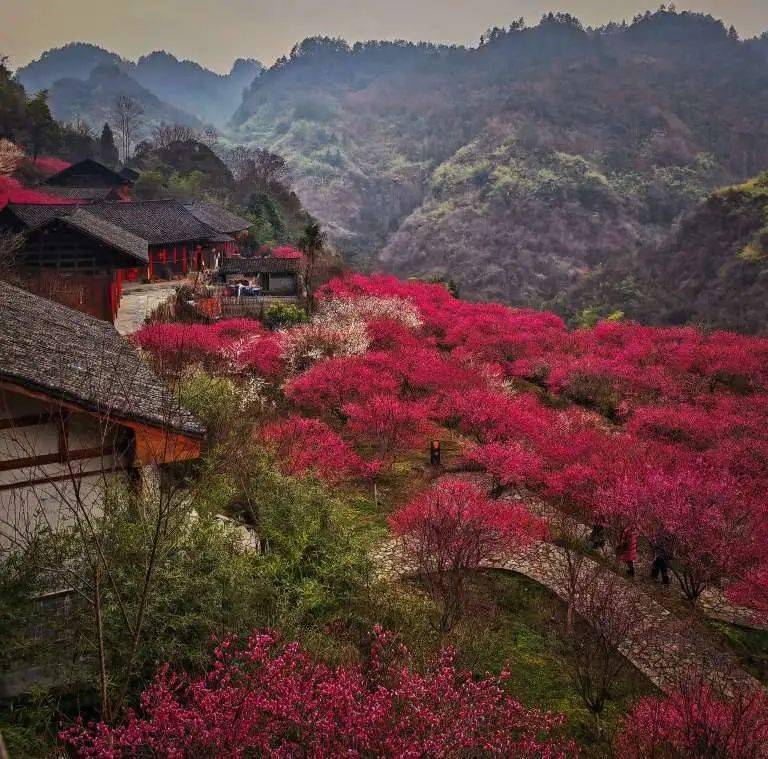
{"type": "Point", "coordinates": [665, 650]}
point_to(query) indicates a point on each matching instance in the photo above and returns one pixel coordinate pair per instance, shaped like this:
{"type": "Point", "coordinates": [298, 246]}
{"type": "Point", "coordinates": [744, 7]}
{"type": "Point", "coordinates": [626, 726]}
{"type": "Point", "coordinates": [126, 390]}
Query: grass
{"type": "Point", "coordinates": [514, 621]}
{"type": "Point", "coordinates": [748, 644]}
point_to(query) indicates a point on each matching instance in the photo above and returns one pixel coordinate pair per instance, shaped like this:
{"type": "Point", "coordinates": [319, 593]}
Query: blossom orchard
{"type": "Point", "coordinates": [663, 432]}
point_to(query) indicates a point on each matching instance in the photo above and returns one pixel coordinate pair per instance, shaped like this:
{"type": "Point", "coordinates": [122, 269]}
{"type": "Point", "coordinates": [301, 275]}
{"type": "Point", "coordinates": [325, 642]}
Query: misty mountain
{"type": "Point", "coordinates": [521, 166]}
{"type": "Point", "coordinates": [73, 61]}
{"type": "Point", "coordinates": [93, 98]}
{"type": "Point", "coordinates": [186, 85]}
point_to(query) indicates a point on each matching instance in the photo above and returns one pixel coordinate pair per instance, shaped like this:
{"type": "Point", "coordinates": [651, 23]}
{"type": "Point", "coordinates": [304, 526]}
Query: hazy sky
{"type": "Point", "coordinates": [215, 33]}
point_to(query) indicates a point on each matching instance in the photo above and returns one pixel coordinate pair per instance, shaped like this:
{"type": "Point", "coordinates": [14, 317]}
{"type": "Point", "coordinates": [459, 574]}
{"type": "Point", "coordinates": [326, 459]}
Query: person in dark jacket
{"type": "Point", "coordinates": [596, 539]}
{"type": "Point", "coordinates": [660, 565]}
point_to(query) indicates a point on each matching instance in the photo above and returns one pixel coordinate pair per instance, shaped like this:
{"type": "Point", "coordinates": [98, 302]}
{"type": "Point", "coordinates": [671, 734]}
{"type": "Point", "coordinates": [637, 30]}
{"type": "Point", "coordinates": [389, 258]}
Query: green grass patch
{"type": "Point", "coordinates": [750, 645]}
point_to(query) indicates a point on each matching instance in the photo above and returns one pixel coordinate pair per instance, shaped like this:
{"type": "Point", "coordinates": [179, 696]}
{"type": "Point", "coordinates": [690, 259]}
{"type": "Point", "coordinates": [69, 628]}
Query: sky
{"type": "Point", "coordinates": [216, 33]}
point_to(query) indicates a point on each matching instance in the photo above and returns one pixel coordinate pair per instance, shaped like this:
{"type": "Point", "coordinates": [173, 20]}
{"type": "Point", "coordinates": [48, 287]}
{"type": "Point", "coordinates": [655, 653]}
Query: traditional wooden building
{"type": "Point", "coordinates": [78, 407]}
{"type": "Point", "coordinates": [80, 260]}
{"type": "Point", "coordinates": [175, 240]}
{"type": "Point", "coordinates": [229, 226]}
{"type": "Point", "coordinates": [275, 276]}
{"type": "Point", "coordinates": [79, 412]}
{"type": "Point", "coordinates": [89, 180]}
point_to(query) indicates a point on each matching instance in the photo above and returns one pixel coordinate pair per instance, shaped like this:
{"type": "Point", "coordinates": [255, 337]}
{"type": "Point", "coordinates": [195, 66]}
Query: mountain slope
{"type": "Point", "coordinates": [93, 100]}
{"type": "Point", "coordinates": [522, 165]}
{"type": "Point", "coordinates": [73, 61]}
{"type": "Point", "coordinates": [711, 270]}
{"type": "Point", "coordinates": [186, 85]}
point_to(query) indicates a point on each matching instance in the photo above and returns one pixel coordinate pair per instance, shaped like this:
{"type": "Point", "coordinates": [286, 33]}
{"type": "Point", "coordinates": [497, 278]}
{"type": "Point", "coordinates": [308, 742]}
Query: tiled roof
{"type": "Point", "coordinates": [128, 173]}
{"type": "Point", "coordinates": [218, 218]}
{"type": "Point", "coordinates": [71, 356]}
{"type": "Point", "coordinates": [34, 215]}
{"type": "Point", "coordinates": [87, 172]}
{"type": "Point", "coordinates": [156, 221]}
{"type": "Point", "coordinates": [80, 193]}
{"type": "Point", "coordinates": [108, 233]}
{"type": "Point", "coordinates": [260, 264]}
{"type": "Point", "coordinates": [220, 238]}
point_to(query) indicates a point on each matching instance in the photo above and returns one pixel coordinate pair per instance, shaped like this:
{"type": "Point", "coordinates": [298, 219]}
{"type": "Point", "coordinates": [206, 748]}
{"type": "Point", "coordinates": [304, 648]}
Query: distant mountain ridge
{"type": "Point", "coordinates": [203, 94]}
{"type": "Point", "coordinates": [521, 166]}
{"type": "Point", "coordinates": [93, 98]}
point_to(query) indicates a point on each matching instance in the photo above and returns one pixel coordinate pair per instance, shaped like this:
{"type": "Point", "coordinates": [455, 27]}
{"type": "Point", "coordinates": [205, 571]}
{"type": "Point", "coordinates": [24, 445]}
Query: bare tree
{"type": "Point", "coordinates": [257, 166]}
{"type": "Point", "coordinates": [269, 168]}
{"type": "Point", "coordinates": [240, 161]}
{"type": "Point", "coordinates": [165, 134]}
{"type": "Point", "coordinates": [604, 625]}
{"type": "Point", "coordinates": [127, 114]}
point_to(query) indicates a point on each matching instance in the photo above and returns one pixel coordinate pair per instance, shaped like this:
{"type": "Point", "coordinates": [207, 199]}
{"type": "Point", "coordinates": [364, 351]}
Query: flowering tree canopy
{"type": "Point", "coordinates": [453, 529]}
{"type": "Point", "coordinates": [696, 721]}
{"type": "Point", "coordinates": [266, 698]}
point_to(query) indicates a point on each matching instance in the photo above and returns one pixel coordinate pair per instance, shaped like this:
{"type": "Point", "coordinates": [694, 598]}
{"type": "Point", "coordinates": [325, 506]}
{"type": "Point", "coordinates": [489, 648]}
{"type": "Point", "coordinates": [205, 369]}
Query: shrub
{"type": "Point", "coordinates": [284, 315]}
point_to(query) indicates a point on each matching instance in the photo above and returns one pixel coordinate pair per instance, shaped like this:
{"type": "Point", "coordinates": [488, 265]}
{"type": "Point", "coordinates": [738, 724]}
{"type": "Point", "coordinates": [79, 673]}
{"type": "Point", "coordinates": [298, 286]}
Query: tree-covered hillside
{"type": "Point", "coordinates": [712, 269]}
{"type": "Point", "coordinates": [520, 166]}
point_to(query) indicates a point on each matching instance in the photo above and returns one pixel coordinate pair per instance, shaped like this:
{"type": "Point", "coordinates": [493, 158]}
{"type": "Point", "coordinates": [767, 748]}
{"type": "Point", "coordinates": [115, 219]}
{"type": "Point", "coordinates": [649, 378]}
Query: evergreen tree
{"type": "Point", "coordinates": [12, 103]}
{"type": "Point", "coordinates": [107, 148]}
{"type": "Point", "coordinates": [41, 130]}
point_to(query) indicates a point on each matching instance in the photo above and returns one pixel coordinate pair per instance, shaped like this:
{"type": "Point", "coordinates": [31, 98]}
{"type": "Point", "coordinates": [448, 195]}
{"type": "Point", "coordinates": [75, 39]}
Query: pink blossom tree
{"type": "Point", "coordinates": [266, 698]}
{"type": "Point", "coordinates": [697, 720]}
{"type": "Point", "coordinates": [454, 529]}
{"type": "Point", "coordinates": [387, 426]}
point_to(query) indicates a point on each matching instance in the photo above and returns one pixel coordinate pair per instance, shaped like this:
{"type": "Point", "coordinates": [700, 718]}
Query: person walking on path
{"type": "Point", "coordinates": [627, 550]}
{"type": "Point", "coordinates": [660, 565]}
{"type": "Point", "coordinates": [596, 539]}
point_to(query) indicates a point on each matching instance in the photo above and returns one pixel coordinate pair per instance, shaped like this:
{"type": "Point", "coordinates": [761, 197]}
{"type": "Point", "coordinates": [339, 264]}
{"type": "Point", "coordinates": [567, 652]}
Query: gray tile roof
{"type": "Point", "coordinates": [34, 215]}
{"type": "Point", "coordinates": [66, 354]}
{"type": "Point", "coordinates": [218, 218]}
{"type": "Point", "coordinates": [108, 233]}
{"type": "Point", "coordinates": [80, 193]}
{"type": "Point", "coordinates": [259, 264]}
{"type": "Point", "coordinates": [156, 221]}
{"type": "Point", "coordinates": [86, 173]}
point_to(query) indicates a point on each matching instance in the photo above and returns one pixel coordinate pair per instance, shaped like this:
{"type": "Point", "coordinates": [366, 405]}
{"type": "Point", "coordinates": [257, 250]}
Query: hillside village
{"type": "Point", "coordinates": [255, 502]}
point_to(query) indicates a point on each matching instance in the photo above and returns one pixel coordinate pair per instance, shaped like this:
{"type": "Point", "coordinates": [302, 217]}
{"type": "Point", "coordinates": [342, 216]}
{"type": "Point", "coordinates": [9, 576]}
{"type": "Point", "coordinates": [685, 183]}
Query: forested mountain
{"type": "Point", "coordinates": [520, 166]}
{"type": "Point", "coordinates": [93, 100]}
{"type": "Point", "coordinates": [711, 270]}
{"type": "Point", "coordinates": [185, 85]}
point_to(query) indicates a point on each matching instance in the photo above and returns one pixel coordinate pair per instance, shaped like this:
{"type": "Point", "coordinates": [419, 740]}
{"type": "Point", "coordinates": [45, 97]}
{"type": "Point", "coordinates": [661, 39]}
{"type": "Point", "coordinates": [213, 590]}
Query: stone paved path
{"type": "Point", "coordinates": [138, 302]}
{"type": "Point", "coordinates": [712, 603]}
{"type": "Point", "coordinates": [664, 657]}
